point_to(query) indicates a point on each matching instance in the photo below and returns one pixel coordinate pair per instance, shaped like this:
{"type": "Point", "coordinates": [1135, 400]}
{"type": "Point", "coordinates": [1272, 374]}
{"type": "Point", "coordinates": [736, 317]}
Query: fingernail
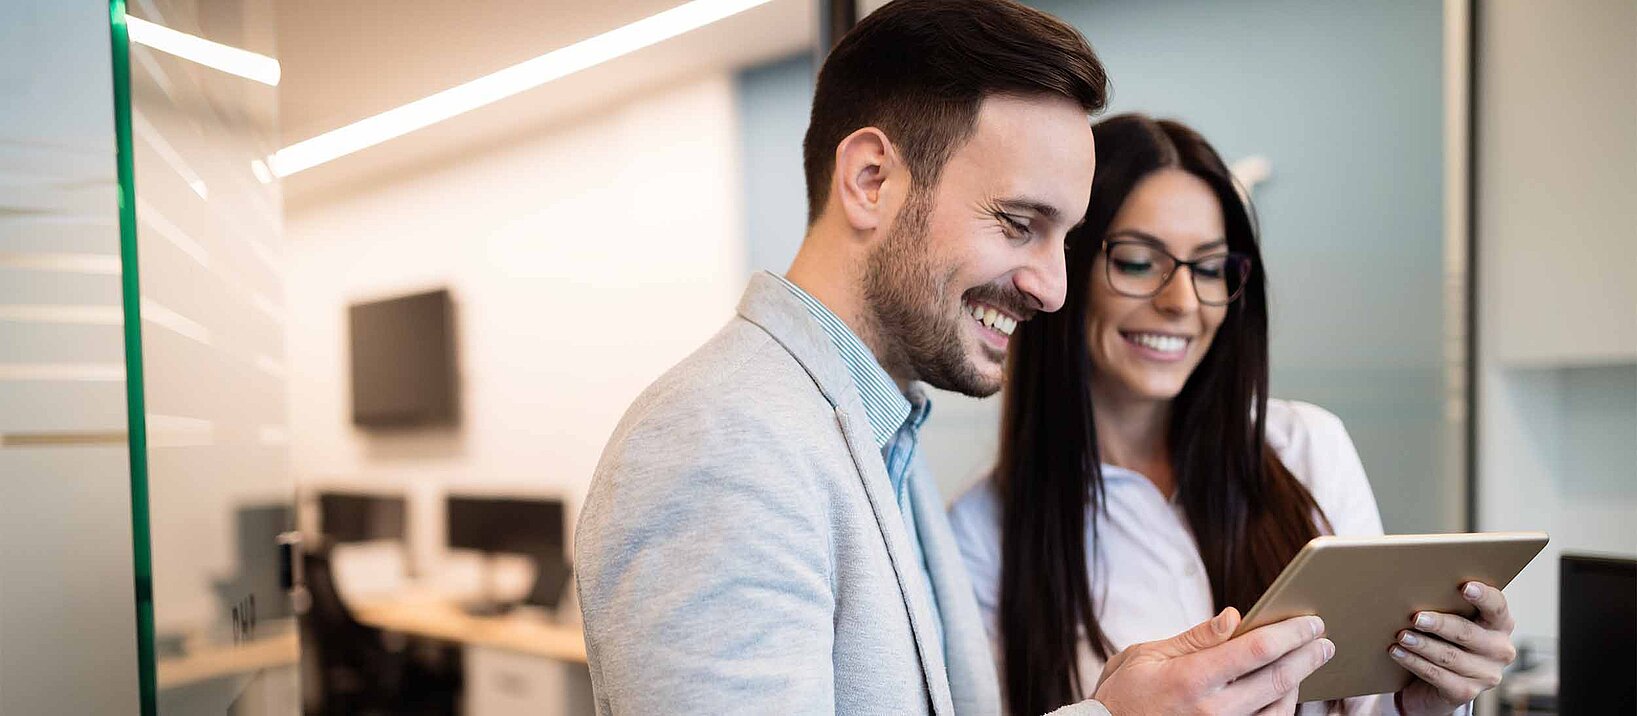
{"type": "Point", "coordinates": [1472, 591]}
{"type": "Point", "coordinates": [1397, 652]}
{"type": "Point", "coordinates": [1328, 647]}
{"type": "Point", "coordinates": [1315, 625]}
{"type": "Point", "coordinates": [1409, 639]}
{"type": "Point", "coordinates": [1219, 624]}
{"type": "Point", "coordinates": [1424, 620]}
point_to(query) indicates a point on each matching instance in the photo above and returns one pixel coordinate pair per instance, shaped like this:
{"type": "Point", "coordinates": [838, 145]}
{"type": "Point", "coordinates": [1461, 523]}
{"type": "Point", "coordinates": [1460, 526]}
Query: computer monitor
{"type": "Point", "coordinates": [505, 524]}
{"type": "Point", "coordinates": [359, 517]}
{"type": "Point", "coordinates": [1597, 635]}
{"type": "Point", "coordinates": [530, 527]}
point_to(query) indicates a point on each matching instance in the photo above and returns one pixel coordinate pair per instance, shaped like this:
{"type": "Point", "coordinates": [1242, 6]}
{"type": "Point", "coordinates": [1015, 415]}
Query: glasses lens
{"type": "Point", "coordinates": [1218, 279]}
{"type": "Point", "coordinates": [1136, 269]}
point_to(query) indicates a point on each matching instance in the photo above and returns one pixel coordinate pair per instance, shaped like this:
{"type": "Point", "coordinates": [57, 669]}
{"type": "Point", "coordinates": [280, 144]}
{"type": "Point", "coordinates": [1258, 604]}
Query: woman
{"type": "Point", "coordinates": [1145, 480]}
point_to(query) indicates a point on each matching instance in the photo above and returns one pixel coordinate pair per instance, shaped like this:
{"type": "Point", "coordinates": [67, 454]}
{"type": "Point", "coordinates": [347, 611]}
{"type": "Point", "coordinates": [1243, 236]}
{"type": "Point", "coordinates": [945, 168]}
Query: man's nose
{"type": "Point", "coordinates": [1046, 279]}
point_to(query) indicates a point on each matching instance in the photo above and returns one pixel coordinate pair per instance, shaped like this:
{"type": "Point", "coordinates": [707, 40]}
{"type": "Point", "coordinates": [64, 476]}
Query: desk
{"type": "Point", "coordinates": [519, 632]}
{"type": "Point", "coordinates": [515, 664]}
{"type": "Point", "coordinates": [203, 663]}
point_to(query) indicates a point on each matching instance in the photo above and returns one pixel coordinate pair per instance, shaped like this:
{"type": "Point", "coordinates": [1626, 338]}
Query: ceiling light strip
{"type": "Point", "coordinates": [215, 55]}
{"type": "Point", "coordinates": [512, 80]}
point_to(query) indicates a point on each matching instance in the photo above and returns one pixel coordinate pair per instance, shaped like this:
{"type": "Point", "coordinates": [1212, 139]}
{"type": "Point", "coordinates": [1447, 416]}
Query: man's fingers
{"type": "Point", "coordinates": [1491, 604]}
{"type": "Point", "coordinates": [1202, 636]}
{"type": "Point", "coordinates": [1255, 649]}
{"type": "Point", "coordinates": [1285, 706]}
{"type": "Point", "coordinates": [1113, 665]}
{"type": "Point", "coordinates": [1270, 684]}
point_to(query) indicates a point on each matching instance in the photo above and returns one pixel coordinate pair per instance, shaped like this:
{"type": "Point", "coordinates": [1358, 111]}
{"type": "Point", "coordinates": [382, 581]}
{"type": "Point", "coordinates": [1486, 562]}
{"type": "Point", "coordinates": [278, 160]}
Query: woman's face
{"type": "Point", "coordinates": [1145, 348]}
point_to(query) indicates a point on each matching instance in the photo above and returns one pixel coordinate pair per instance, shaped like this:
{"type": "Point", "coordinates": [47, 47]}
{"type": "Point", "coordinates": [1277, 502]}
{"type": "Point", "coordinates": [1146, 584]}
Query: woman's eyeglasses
{"type": "Point", "coordinates": [1140, 269]}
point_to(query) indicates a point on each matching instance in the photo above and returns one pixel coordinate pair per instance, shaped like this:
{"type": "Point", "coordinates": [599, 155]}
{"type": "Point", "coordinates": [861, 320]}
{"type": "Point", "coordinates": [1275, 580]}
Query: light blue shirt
{"type": "Point", "coordinates": [895, 420]}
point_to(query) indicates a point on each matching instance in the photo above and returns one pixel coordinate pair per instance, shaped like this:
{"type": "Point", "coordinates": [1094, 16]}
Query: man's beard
{"type": "Point", "coordinates": [904, 293]}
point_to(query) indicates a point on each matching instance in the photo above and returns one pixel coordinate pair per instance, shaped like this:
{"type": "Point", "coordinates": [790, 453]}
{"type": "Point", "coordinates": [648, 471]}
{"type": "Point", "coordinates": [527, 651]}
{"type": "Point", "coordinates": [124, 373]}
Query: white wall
{"type": "Point", "coordinates": [583, 261]}
{"type": "Point", "coordinates": [1557, 276]}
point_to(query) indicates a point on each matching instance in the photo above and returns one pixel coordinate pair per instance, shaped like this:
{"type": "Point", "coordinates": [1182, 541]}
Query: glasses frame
{"type": "Point", "coordinates": [1112, 240]}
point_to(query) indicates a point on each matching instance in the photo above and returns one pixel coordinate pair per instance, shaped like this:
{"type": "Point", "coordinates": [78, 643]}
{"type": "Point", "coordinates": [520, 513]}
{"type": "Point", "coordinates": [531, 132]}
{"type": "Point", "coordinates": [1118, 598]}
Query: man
{"type": "Point", "coordinates": [759, 536]}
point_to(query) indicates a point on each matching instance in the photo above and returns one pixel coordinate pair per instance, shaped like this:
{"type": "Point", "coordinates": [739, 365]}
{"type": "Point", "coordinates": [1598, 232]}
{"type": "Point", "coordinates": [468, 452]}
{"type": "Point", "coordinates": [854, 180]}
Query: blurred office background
{"type": "Point", "coordinates": [409, 354]}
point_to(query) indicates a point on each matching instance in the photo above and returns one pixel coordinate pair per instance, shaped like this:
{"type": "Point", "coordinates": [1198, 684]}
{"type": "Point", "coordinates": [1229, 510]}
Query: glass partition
{"type": "Point", "coordinates": [205, 353]}
{"type": "Point", "coordinates": [67, 627]}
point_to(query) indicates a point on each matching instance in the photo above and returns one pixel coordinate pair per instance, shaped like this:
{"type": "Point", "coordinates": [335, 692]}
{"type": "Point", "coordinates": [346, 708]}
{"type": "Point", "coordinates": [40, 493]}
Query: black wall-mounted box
{"type": "Point", "coordinates": [403, 361]}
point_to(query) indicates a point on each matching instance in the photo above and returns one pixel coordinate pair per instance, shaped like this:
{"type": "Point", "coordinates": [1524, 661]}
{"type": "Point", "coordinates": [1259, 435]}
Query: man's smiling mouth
{"type": "Point", "coordinates": [991, 317]}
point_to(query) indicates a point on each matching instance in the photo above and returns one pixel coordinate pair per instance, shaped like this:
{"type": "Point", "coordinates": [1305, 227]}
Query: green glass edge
{"type": "Point", "coordinates": [137, 429]}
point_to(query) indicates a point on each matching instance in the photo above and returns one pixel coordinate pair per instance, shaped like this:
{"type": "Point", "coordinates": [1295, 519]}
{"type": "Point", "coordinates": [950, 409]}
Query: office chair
{"type": "Point", "coordinates": [364, 671]}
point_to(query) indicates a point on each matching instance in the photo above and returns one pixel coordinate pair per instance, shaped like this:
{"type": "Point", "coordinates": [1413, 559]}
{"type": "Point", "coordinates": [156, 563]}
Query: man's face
{"type": "Point", "coordinates": [966, 261]}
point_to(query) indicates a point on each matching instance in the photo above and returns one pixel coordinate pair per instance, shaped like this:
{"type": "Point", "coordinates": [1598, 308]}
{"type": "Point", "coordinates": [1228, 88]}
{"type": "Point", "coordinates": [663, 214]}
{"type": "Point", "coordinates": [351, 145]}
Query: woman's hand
{"type": "Point", "coordinates": [1453, 658]}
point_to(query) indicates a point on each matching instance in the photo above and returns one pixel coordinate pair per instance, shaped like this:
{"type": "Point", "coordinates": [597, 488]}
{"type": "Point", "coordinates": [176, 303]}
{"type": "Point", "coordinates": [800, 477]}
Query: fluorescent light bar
{"type": "Point", "coordinates": [520, 77]}
{"type": "Point", "coordinates": [263, 173]}
{"type": "Point", "coordinates": [215, 55]}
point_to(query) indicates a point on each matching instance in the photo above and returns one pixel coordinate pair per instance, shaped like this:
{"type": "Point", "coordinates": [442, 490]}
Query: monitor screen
{"type": "Point", "coordinates": [358, 517]}
{"type": "Point", "coordinates": [530, 527]}
{"type": "Point", "coordinates": [504, 524]}
{"type": "Point", "coordinates": [1597, 628]}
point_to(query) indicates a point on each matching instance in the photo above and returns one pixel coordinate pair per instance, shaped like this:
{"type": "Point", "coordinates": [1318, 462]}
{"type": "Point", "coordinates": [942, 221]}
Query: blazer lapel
{"type": "Point", "coordinates": [973, 682]}
{"type": "Point", "coordinates": [768, 304]}
{"type": "Point", "coordinates": [890, 520]}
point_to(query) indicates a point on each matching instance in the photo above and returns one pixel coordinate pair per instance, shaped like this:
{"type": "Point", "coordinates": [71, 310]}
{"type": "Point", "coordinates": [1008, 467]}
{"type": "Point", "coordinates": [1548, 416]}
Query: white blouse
{"type": "Point", "coordinates": [1148, 580]}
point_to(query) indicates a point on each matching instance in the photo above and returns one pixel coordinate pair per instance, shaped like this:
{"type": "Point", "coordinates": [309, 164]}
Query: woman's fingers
{"type": "Point", "coordinates": [1451, 658]}
{"type": "Point", "coordinates": [1491, 604]}
{"type": "Point", "coordinates": [1470, 636]}
{"type": "Point", "coordinates": [1453, 687]}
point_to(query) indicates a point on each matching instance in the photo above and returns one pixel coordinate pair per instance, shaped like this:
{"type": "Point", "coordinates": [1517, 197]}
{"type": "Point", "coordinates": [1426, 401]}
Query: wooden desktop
{"type": "Point", "coordinates": [523, 631]}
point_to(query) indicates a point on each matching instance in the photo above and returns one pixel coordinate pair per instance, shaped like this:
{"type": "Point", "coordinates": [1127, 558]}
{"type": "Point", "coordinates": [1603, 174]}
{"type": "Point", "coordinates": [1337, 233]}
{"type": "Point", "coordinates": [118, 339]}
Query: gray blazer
{"type": "Point", "coordinates": [740, 550]}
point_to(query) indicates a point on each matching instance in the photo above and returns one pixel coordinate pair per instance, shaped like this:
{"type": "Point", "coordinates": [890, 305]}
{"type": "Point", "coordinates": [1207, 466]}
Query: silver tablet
{"type": "Point", "coordinates": [1368, 588]}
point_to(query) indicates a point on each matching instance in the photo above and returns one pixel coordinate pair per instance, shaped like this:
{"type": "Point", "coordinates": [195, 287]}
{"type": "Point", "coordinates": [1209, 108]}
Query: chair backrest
{"type": "Point", "coordinates": [339, 636]}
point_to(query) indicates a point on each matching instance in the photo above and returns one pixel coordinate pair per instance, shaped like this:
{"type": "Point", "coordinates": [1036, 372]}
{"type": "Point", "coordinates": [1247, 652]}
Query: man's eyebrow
{"type": "Point", "coordinates": [1041, 208]}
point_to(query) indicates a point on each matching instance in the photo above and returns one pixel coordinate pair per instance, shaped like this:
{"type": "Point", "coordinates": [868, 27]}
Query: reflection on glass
{"type": "Point", "coordinates": [202, 113]}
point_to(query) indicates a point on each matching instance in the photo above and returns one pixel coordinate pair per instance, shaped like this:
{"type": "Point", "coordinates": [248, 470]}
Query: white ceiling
{"type": "Point", "coordinates": [344, 60]}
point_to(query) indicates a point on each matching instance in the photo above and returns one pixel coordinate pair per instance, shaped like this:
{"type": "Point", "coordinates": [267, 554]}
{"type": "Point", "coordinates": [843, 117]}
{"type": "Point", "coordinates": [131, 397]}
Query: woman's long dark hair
{"type": "Point", "coordinates": [1248, 513]}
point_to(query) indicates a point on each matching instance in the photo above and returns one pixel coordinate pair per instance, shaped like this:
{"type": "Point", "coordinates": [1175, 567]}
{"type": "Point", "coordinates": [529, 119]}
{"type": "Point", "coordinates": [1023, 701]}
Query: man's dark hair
{"type": "Point", "coordinates": [919, 70]}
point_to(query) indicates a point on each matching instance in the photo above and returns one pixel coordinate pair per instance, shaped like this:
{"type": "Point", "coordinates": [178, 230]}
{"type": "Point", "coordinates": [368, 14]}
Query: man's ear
{"type": "Point", "coordinates": [868, 171]}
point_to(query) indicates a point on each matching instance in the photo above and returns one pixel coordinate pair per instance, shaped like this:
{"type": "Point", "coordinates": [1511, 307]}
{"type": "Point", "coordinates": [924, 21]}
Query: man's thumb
{"type": "Point", "coordinates": [1203, 636]}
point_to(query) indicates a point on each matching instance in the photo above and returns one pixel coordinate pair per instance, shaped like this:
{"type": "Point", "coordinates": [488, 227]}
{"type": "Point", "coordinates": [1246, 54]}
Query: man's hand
{"type": "Point", "coordinates": [1453, 658]}
{"type": "Point", "coordinates": [1202, 671]}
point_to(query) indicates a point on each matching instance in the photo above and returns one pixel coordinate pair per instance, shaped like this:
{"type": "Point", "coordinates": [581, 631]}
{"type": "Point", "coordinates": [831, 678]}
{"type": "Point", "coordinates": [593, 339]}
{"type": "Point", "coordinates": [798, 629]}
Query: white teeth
{"type": "Point", "coordinates": [992, 318]}
{"type": "Point", "coordinates": [1163, 344]}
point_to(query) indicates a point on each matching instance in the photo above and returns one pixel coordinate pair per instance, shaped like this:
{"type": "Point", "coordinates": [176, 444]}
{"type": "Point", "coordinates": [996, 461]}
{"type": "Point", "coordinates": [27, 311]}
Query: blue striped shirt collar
{"type": "Point", "coordinates": [884, 406]}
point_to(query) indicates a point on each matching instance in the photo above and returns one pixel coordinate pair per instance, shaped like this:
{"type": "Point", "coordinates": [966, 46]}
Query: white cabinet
{"type": "Point", "coordinates": [1557, 183]}
{"type": "Point", "coordinates": [506, 683]}
{"type": "Point", "coordinates": [1557, 274]}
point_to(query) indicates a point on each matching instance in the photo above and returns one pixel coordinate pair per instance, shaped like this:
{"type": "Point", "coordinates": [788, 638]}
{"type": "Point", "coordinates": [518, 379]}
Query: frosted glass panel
{"type": "Point", "coordinates": [208, 239]}
{"type": "Point", "coordinates": [67, 619]}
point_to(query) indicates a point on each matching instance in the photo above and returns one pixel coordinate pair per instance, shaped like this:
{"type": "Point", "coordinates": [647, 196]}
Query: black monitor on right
{"type": "Point", "coordinates": [1597, 635]}
{"type": "Point", "coordinates": [528, 526]}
